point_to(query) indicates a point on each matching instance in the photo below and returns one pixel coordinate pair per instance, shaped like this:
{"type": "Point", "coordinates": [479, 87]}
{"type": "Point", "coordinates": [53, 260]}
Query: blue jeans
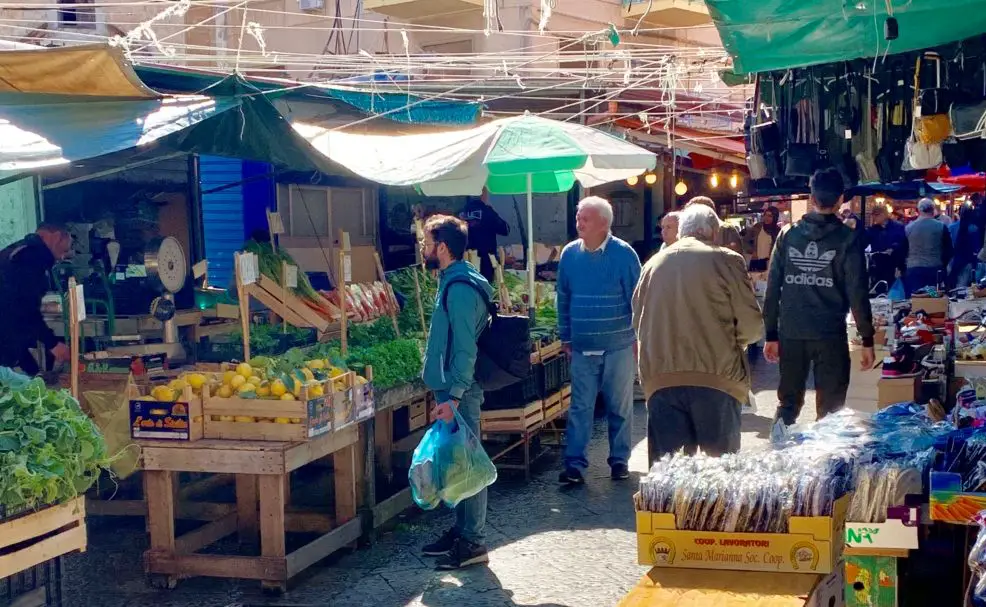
{"type": "Point", "coordinates": [470, 514]}
{"type": "Point", "coordinates": [612, 374]}
{"type": "Point", "coordinates": [918, 278]}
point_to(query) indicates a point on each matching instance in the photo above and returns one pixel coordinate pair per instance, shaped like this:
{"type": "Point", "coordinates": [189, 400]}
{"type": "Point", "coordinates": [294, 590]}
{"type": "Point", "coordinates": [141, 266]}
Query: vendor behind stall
{"type": "Point", "coordinates": [484, 226]}
{"type": "Point", "coordinates": [24, 268]}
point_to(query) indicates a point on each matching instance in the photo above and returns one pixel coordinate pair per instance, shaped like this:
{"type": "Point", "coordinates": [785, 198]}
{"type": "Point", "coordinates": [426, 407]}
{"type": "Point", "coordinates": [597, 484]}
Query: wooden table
{"type": "Point", "coordinates": [261, 471]}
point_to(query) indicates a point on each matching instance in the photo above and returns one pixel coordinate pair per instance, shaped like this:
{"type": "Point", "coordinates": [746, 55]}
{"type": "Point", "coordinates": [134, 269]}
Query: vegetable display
{"type": "Point", "coordinates": [50, 451]}
{"type": "Point", "coordinates": [403, 282]}
{"type": "Point", "coordinates": [271, 262]}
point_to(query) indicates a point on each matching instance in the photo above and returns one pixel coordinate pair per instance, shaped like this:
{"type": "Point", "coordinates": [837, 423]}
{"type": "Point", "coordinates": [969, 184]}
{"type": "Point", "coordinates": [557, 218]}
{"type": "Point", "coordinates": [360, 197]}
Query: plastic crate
{"type": "Point", "coordinates": [39, 586]}
{"type": "Point", "coordinates": [514, 395]}
{"type": "Point", "coordinates": [554, 373]}
{"type": "Point", "coordinates": [215, 351]}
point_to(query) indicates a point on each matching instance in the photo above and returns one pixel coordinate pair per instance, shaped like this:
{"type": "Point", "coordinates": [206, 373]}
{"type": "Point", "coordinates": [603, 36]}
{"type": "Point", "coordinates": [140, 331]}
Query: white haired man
{"type": "Point", "coordinates": [669, 229]}
{"type": "Point", "coordinates": [596, 277]}
{"type": "Point", "coordinates": [695, 314]}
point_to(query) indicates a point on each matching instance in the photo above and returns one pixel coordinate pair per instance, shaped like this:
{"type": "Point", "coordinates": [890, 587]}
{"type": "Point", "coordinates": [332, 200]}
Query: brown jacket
{"type": "Point", "coordinates": [695, 313]}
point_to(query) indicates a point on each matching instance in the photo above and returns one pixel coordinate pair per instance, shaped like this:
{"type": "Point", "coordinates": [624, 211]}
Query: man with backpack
{"type": "Point", "coordinates": [596, 277]}
{"type": "Point", "coordinates": [461, 314]}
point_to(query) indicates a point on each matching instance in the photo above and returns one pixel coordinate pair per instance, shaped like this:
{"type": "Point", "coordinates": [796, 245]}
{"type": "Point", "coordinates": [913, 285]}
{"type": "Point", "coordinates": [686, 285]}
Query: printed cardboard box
{"type": "Point", "coordinates": [812, 545]}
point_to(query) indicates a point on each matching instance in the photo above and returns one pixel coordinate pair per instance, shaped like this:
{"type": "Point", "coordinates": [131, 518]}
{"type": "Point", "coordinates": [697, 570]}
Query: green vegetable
{"type": "Point", "coordinates": [50, 451]}
{"type": "Point", "coordinates": [409, 321]}
{"type": "Point", "coordinates": [394, 363]}
{"type": "Point", "coordinates": [271, 263]}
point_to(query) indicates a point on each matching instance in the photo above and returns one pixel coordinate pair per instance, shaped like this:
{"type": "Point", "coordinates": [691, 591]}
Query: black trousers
{"type": "Point", "coordinates": [692, 418]}
{"type": "Point", "coordinates": [829, 359]}
{"type": "Point", "coordinates": [23, 358]}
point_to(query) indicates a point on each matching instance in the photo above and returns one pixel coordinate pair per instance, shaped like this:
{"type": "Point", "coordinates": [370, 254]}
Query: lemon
{"type": "Point", "coordinates": [244, 370]}
{"type": "Point", "coordinates": [316, 390]}
{"type": "Point", "coordinates": [148, 398]}
{"type": "Point", "coordinates": [256, 381]}
{"type": "Point", "coordinates": [196, 380]}
{"type": "Point", "coordinates": [178, 385]}
{"type": "Point", "coordinates": [228, 377]}
{"type": "Point", "coordinates": [224, 391]}
{"type": "Point", "coordinates": [287, 396]}
{"type": "Point", "coordinates": [163, 394]}
{"type": "Point", "coordinates": [282, 420]}
{"type": "Point", "coordinates": [316, 364]}
{"type": "Point", "coordinates": [246, 389]}
{"type": "Point", "coordinates": [226, 418]}
{"type": "Point", "coordinates": [295, 420]}
{"type": "Point", "coordinates": [308, 374]}
{"type": "Point", "coordinates": [278, 389]}
{"type": "Point", "coordinates": [362, 381]}
{"type": "Point", "coordinates": [263, 390]}
{"type": "Point", "coordinates": [238, 381]}
{"type": "Point", "coordinates": [335, 372]}
{"type": "Point", "coordinates": [244, 419]}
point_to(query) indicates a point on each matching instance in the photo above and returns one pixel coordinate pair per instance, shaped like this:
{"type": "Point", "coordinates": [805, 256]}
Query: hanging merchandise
{"type": "Point", "coordinates": [802, 155]}
{"type": "Point", "coordinates": [846, 125]}
{"type": "Point", "coordinates": [763, 139]}
{"type": "Point", "coordinates": [931, 122]}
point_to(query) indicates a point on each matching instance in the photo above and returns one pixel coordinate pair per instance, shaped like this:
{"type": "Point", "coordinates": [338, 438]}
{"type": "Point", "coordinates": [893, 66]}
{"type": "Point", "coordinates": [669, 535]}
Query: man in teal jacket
{"type": "Point", "coordinates": [449, 371]}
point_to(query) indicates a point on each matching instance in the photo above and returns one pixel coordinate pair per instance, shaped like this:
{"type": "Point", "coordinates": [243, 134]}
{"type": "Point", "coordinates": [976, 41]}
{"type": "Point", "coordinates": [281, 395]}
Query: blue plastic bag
{"type": "Point", "coordinates": [897, 292]}
{"type": "Point", "coordinates": [449, 465]}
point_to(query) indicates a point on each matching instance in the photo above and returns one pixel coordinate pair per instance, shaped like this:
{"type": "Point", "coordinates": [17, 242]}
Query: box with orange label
{"type": "Point", "coordinates": [812, 545]}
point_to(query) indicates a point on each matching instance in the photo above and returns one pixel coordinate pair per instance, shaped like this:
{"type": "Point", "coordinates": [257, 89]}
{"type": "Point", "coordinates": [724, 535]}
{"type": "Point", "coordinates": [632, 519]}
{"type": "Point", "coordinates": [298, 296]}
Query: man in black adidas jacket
{"type": "Point", "coordinates": [817, 274]}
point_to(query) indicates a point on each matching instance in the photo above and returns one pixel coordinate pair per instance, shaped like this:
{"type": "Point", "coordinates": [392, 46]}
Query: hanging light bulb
{"type": "Point", "coordinates": [714, 180]}
{"type": "Point", "coordinates": [632, 180]}
{"type": "Point", "coordinates": [734, 181]}
{"type": "Point", "coordinates": [681, 188]}
{"type": "Point", "coordinates": [650, 178]}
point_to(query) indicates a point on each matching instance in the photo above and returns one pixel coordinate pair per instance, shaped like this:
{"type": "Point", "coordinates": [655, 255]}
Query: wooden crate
{"type": "Point", "coordinates": [566, 391]}
{"type": "Point", "coordinates": [41, 536]}
{"type": "Point", "coordinates": [552, 405]}
{"type": "Point", "coordinates": [308, 417]}
{"type": "Point", "coordinates": [418, 414]}
{"type": "Point", "coordinates": [513, 420]}
{"type": "Point", "coordinates": [545, 353]}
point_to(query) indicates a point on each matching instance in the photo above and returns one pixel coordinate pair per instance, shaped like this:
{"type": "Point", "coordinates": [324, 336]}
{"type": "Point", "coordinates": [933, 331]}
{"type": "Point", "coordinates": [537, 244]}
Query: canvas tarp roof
{"type": "Point", "coordinates": [766, 35]}
{"type": "Point", "coordinates": [91, 70]}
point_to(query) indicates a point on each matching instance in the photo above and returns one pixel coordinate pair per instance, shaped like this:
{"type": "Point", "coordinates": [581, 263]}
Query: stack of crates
{"type": "Point", "coordinates": [39, 586]}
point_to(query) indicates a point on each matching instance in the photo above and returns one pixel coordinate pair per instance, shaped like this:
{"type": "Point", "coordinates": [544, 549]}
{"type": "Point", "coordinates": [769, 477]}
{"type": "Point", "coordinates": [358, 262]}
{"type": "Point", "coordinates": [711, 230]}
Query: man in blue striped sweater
{"type": "Point", "coordinates": [596, 277]}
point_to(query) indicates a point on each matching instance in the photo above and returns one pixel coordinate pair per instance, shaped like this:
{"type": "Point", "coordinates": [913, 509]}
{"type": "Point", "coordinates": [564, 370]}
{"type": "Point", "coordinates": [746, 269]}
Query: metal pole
{"type": "Point", "coordinates": [532, 261]}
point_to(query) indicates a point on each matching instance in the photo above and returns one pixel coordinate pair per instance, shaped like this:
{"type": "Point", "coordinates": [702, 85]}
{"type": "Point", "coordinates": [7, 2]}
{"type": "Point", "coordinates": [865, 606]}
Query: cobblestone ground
{"type": "Point", "coordinates": [550, 547]}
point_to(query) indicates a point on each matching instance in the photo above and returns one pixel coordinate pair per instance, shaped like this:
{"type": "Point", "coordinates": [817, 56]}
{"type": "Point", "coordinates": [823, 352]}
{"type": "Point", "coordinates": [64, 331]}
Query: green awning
{"type": "Point", "coordinates": [765, 35]}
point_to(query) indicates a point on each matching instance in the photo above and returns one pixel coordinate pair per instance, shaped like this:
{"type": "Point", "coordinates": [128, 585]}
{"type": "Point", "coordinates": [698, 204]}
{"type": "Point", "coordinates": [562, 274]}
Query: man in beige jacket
{"type": "Point", "coordinates": [695, 313]}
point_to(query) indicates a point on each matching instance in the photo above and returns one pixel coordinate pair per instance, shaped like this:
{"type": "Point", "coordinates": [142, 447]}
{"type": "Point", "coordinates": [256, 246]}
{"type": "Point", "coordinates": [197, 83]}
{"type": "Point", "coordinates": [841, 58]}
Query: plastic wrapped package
{"type": "Point", "coordinates": [977, 560]}
{"type": "Point", "coordinates": [449, 465]}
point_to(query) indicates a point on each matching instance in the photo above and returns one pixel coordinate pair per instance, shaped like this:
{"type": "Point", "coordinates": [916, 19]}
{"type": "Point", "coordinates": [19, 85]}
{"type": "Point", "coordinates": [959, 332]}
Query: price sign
{"type": "Point", "coordinates": [347, 268]}
{"type": "Point", "coordinates": [248, 268]}
{"type": "Point", "coordinates": [199, 269]}
{"type": "Point", "coordinates": [80, 303]}
{"type": "Point", "coordinates": [291, 276]}
{"type": "Point", "coordinates": [274, 223]}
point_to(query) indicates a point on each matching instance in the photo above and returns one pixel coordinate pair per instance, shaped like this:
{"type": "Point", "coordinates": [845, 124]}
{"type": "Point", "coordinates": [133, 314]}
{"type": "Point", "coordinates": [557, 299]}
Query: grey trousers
{"type": "Point", "coordinates": [692, 418]}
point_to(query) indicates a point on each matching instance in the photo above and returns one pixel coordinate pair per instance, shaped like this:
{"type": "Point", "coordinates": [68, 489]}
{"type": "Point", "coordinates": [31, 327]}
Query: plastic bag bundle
{"type": "Point", "coordinates": [449, 465]}
{"type": "Point", "coordinates": [977, 560]}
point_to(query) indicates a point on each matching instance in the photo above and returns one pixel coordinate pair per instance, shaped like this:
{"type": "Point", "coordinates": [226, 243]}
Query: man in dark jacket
{"type": "Point", "coordinates": [817, 274]}
{"type": "Point", "coordinates": [24, 268]}
{"type": "Point", "coordinates": [484, 226]}
{"type": "Point", "coordinates": [887, 241]}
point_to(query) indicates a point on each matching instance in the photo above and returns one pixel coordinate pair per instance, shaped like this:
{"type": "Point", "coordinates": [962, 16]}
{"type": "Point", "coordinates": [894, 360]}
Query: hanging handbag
{"type": "Point", "coordinates": [802, 153]}
{"type": "Point", "coordinates": [920, 156]}
{"type": "Point", "coordinates": [933, 125]}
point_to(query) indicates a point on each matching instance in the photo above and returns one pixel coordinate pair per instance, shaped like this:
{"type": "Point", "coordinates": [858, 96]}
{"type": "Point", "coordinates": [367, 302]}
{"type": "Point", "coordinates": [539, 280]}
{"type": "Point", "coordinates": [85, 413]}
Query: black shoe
{"type": "Point", "coordinates": [443, 545]}
{"type": "Point", "coordinates": [571, 476]}
{"type": "Point", "coordinates": [463, 554]}
{"type": "Point", "coordinates": [619, 472]}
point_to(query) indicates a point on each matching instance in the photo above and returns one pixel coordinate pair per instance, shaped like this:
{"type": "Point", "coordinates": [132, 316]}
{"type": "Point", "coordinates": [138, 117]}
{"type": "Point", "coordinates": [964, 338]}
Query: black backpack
{"type": "Point", "coordinates": [504, 355]}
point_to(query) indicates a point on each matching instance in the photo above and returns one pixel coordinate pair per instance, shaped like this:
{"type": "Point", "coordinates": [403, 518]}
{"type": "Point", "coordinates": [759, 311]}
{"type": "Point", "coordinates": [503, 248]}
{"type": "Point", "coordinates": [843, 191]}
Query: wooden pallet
{"type": "Point", "coordinates": [513, 420]}
{"type": "Point", "coordinates": [41, 536]}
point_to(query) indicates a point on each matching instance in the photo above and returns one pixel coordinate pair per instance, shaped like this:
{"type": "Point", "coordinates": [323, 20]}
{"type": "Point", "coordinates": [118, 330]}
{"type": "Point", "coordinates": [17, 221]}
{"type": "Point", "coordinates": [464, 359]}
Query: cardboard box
{"type": "Point", "coordinates": [698, 588]}
{"type": "Point", "coordinates": [934, 306]}
{"type": "Point", "coordinates": [871, 581]}
{"type": "Point", "coordinates": [175, 421]}
{"type": "Point", "coordinates": [902, 389]}
{"type": "Point", "coordinates": [812, 545]}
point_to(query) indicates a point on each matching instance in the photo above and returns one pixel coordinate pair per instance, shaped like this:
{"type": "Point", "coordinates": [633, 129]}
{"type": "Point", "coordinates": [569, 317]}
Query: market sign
{"type": "Point", "coordinates": [891, 535]}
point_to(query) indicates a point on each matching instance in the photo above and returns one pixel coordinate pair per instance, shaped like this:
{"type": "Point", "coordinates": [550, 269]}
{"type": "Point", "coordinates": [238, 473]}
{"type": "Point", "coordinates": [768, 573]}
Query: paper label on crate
{"type": "Point", "coordinates": [248, 268]}
{"type": "Point", "coordinates": [274, 223]}
{"type": "Point", "coordinates": [80, 303]}
{"type": "Point", "coordinates": [893, 535]}
{"type": "Point", "coordinates": [199, 269]}
{"type": "Point", "coordinates": [291, 276]}
{"type": "Point", "coordinates": [347, 267]}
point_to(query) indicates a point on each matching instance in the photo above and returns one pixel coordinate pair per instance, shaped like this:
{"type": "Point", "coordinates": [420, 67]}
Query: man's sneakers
{"type": "Point", "coordinates": [619, 472]}
{"type": "Point", "coordinates": [442, 545]}
{"type": "Point", "coordinates": [463, 554]}
{"type": "Point", "coordinates": [571, 476]}
{"type": "Point", "coordinates": [455, 552]}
